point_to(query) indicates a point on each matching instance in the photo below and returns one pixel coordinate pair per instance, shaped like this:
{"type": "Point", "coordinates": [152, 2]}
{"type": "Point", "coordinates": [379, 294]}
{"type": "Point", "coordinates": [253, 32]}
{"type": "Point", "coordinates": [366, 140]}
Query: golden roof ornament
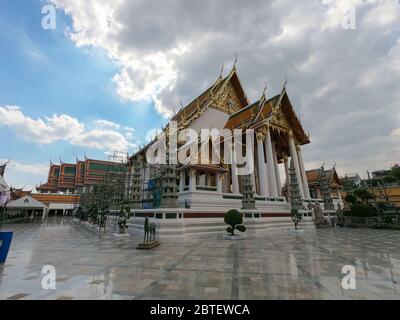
{"type": "Point", "coordinates": [235, 62]}
{"type": "Point", "coordinates": [222, 70]}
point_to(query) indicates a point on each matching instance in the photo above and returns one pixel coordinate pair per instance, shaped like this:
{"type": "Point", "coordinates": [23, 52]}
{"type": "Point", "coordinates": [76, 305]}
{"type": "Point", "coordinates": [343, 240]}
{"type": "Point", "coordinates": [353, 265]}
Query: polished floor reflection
{"type": "Point", "coordinates": [267, 265]}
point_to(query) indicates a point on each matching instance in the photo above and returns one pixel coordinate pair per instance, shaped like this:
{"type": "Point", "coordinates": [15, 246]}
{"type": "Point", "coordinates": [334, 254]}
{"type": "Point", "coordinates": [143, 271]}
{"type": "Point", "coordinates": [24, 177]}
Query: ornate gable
{"type": "Point", "coordinates": [226, 99]}
{"type": "Point", "coordinates": [279, 120]}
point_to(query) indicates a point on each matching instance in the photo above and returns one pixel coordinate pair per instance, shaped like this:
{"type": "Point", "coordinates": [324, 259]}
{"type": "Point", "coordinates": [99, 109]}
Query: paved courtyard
{"type": "Point", "coordinates": [267, 265]}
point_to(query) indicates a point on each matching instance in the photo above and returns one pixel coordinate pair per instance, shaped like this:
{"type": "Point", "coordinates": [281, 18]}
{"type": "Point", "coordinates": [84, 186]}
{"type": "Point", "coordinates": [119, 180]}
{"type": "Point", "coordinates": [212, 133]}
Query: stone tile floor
{"type": "Point", "coordinates": [266, 265]}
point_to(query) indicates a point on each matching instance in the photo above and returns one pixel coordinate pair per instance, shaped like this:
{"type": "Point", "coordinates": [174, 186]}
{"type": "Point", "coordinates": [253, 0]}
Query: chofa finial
{"type": "Point", "coordinates": [265, 89]}
{"type": "Point", "coordinates": [236, 59]}
{"type": "Point", "coordinates": [222, 70]}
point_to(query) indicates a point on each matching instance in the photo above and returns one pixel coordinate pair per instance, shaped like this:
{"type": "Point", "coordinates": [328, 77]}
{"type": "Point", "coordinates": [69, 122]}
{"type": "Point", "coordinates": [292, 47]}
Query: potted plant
{"type": "Point", "coordinates": [5, 238]}
{"type": "Point", "coordinates": [234, 219]}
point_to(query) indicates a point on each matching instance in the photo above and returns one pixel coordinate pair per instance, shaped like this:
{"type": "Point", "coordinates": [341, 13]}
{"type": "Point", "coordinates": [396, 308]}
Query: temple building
{"type": "Point", "coordinates": [336, 187]}
{"type": "Point", "coordinates": [183, 196]}
{"type": "Point", "coordinates": [75, 178]}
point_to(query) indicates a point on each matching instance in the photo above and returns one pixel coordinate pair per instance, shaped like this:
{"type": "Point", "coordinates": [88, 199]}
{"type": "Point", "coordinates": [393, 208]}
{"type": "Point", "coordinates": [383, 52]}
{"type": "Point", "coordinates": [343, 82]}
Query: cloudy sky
{"type": "Point", "coordinates": [113, 70]}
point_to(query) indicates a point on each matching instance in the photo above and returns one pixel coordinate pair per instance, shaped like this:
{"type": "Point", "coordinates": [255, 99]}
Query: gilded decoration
{"type": "Point", "coordinates": [226, 99]}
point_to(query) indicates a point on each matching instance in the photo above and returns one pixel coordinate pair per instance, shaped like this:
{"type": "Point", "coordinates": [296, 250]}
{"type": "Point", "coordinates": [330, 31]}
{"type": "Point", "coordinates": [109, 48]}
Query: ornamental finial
{"type": "Point", "coordinates": [222, 70]}
{"type": "Point", "coordinates": [264, 90]}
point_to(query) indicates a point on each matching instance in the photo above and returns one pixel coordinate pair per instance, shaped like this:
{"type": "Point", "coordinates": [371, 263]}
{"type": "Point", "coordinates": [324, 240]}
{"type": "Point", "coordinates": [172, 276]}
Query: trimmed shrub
{"type": "Point", "coordinates": [234, 219]}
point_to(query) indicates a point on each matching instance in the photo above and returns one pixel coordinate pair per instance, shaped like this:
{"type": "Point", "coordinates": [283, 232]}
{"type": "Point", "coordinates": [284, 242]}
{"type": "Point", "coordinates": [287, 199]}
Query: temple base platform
{"type": "Point", "coordinates": [190, 222]}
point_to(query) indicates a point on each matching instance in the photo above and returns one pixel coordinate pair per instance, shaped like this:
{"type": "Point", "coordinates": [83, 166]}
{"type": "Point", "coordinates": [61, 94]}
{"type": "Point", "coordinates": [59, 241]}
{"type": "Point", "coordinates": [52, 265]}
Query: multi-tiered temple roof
{"type": "Point", "coordinates": [66, 176]}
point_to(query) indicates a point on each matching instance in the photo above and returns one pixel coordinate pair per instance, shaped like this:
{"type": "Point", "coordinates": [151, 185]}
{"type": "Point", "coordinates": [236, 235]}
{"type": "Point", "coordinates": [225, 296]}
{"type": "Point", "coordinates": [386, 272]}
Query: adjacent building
{"type": "Point", "coordinates": [314, 183]}
{"type": "Point", "coordinates": [66, 178]}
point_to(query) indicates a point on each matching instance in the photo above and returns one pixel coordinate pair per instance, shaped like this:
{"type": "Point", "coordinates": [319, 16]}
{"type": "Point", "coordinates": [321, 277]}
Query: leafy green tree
{"type": "Point", "coordinates": [395, 172]}
{"type": "Point", "coordinates": [235, 221]}
{"type": "Point", "coordinates": [350, 198]}
{"type": "Point", "coordinates": [363, 194]}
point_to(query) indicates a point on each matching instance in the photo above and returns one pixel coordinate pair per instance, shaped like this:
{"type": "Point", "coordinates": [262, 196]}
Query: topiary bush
{"type": "Point", "coordinates": [235, 221]}
{"type": "Point", "coordinates": [362, 210]}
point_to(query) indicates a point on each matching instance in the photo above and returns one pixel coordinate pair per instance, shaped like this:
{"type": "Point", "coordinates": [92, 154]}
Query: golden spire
{"type": "Point", "coordinates": [264, 91]}
{"type": "Point", "coordinates": [236, 59]}
{"type": "Point", "coordinates": [222, 70]}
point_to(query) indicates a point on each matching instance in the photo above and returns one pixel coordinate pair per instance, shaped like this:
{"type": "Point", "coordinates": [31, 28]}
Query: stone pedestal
{"type": "Point", "coordinates": [148, 245]}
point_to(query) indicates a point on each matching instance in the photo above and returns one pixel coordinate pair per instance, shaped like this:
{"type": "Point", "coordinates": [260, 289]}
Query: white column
{"type": "Point", "coordinates": [303, 174]}
{"type": "Point", "coordinates": [285, 161]}
{"type": "Point", "coordinates": [235, 177]}
{"type": "Point", "coordinates": [278, 175]}
{"type": "Point", "coordinates": [266, 179]}
{"type": "Point", "coordinates": [293, 154]}
{"type": "Point", "coordinates": [250, 158]}
{"type": "Point", "coordinates": [270, 165]}
{"type": "Point", "coordinates": [219, 182]}
{"type": "Point", "coordinates": [182, 180]}
{"type": "Point", "coordinates": [261, 166]}
{"type": "Point", "coordinates": [192, 180]}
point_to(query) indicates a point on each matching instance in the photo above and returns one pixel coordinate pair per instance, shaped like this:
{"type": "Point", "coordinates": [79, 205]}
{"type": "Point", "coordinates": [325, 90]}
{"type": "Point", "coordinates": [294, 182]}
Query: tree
{"type": "Point", "coordinates": [395, 172]}
{"type": "Point", "coordinates": [234, 219]}
{"type": "Point", "coordinates": [363, 194]}
{"type": "Point", "coordinates": [350, 198]}
{"type": "Point", "coordinates": [296, 217]}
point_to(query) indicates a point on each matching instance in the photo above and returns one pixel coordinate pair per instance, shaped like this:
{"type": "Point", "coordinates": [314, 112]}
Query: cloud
{"type": "Point", "coordinates": [103, 135]}
{"type": "Point", "coordinates": [343, 83]}
{"type": "Point", "coordinates": [107, 124]}
{"type": "Point", "coordinates": [25, 167]}
{"type": "Point", "coordinates": [21, 174]}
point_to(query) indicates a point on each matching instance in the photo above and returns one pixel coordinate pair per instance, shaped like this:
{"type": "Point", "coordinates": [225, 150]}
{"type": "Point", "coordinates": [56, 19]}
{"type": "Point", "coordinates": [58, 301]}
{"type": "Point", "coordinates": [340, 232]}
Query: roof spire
{"type": "Point", "coordinates": [285, 83]}
{"type": "Point", "coordinates": [222, 70]}
{"type": "Point", "coordinates": [236, 59]}
{"type": "Point", "coordinates": [264, 90]}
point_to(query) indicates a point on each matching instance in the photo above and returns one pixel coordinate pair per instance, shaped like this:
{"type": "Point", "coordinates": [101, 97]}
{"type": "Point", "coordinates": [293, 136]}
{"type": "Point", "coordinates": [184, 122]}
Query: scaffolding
{"type": "Point", "coordinates": [110, 195]}
{"type": "Point", "coordinates": [131, 183]}
{"type": "Point", "coordinates": [153, 186]}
